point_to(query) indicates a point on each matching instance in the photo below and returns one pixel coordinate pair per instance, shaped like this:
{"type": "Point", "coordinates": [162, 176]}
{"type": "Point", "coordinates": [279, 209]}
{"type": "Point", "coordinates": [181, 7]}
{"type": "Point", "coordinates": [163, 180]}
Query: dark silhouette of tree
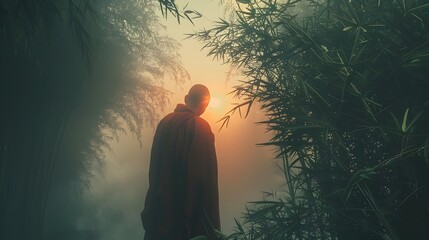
{"type": "Point", "coordinates": [344, 86]}
{"type": "Point", "coordinates": [73, 73]}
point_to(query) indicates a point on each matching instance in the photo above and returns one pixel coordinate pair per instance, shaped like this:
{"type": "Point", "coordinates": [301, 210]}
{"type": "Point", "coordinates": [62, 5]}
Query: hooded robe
{"type": "Point", "coordinates": [182, 201]}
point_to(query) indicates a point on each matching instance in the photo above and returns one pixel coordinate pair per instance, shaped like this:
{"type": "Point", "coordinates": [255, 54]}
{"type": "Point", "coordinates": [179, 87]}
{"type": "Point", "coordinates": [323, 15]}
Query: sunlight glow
{"type": "Point", "coordinates": [214, 102]}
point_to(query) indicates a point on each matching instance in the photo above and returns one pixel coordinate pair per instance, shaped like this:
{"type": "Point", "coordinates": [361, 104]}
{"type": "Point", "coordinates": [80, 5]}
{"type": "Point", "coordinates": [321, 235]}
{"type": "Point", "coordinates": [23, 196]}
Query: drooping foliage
{"type": "Point", "coordinates": [75, 74]}
{"type": "Point", "coordinates": [345, 89]}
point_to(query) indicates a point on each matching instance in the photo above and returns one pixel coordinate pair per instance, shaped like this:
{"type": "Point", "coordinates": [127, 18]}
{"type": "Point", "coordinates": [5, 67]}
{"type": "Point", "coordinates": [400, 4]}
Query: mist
{"type": "Point", "coordinates": [117, 190]}
{"type": "Point", "coordinates": [110, 207]}
{"type": "Point", "coordinates": [327, 137]}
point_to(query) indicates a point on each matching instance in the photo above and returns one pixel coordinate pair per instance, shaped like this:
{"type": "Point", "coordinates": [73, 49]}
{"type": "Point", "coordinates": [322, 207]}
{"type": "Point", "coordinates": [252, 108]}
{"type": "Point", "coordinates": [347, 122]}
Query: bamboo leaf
{"type": "Point", "coordinates": [404, 121]}
{"type": "Point", "coordinates": [419, 7]}
{"type": "Point", "coordinates": [426, 150]}
{"type": "Point", "coordinates": [199, 238]}
{"type": "Point", "coordinates": [244, 1]}
{"type": "Point", "coordinates": [413, 121]}
{"type": "Point", "coordinates": [346, 29]}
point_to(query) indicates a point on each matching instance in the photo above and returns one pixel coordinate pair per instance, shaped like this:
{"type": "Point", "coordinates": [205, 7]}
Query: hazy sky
{"type": "Point", "coordinates": [245, 170]}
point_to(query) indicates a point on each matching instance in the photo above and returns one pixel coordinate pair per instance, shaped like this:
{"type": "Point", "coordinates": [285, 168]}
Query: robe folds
{"type": "Point", "coordinates": [182, 201]}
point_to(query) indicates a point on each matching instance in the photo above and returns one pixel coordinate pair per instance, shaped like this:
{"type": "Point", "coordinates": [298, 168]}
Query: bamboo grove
{"type": "Point", "coordinates": [344, 85]}
{"type": "Point", "coordinates": [74, 74]}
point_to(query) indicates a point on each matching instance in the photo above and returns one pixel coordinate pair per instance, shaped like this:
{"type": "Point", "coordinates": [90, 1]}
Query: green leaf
{"type": "Point", "coordinates": [202, 237]}
{"type": "Point", "coordinates": [358, 176]}
{"type": "Point", "coordinates": [414, 120]}
{"type": "Point", "coordinates": [426, 5]}
{"type": "Point", "coordinates": [426, 150]}
{"type": "Point", "coordinates": [244, 1]}
{"type": "Point", "coordinates": [404, 121]}
{"type": "Point", "coordinates": [346, 29]}
{"type": "Point", "coordinates": [395, 119]}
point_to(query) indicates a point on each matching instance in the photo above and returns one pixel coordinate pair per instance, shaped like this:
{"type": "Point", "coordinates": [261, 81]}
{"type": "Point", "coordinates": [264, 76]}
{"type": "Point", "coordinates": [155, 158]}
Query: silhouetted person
{"type": "Point", "coordinates": [182, 201]}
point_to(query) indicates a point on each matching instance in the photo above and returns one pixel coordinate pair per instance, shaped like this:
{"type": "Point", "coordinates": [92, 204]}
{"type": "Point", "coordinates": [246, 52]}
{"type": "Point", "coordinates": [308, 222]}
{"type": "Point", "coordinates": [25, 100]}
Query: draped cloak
{"type": "Point", "coordinates": [182, 201]}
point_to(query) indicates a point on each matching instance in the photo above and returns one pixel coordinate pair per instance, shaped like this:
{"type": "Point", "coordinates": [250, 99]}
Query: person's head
{"type": "Point", "coordinates": [198, 98]}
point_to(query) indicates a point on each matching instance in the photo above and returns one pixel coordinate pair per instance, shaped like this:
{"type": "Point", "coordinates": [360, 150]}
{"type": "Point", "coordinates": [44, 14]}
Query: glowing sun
{"type": "Point", "coordinates": [214, 102]}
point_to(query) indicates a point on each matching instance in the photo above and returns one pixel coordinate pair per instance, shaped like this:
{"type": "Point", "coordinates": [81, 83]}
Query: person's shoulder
{"type": "Point", "coordinates": [164, 119]}
{"type": "Point", "coordinates": [171, 116]}
{"type": "Point", "coordinates": [202, 124]}
{"type": "Point", "coordinates": [201, 121]}
{"type": "Point", "coordinates": [167, 120]}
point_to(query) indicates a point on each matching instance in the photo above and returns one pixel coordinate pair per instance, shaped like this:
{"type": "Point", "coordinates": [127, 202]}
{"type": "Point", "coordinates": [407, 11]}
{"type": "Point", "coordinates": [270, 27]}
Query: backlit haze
{"type": "Point", "coordinates": [245, 170]}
